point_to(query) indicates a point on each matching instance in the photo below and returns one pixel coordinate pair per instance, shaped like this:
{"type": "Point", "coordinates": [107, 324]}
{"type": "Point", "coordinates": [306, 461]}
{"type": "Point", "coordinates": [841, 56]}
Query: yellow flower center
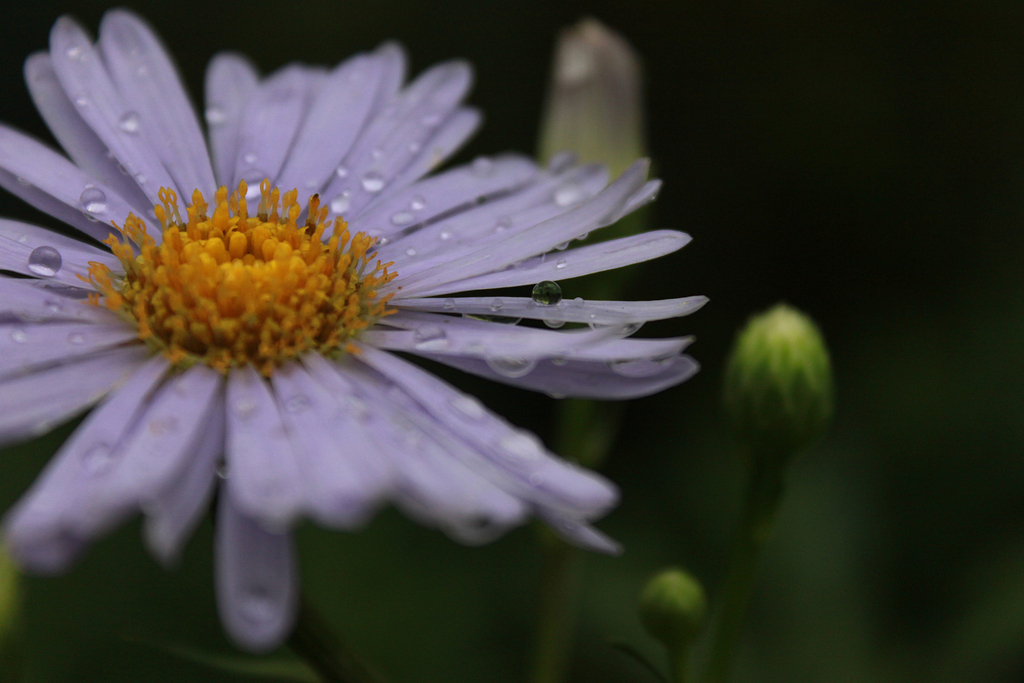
{"type": "Point", "coordinates": [232, 289]}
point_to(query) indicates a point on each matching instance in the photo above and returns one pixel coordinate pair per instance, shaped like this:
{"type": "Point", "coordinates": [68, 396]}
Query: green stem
{"type": "Point", "coordinates": [764, 491]}
{"type": "Point", "coordinates": [313, 640]}
{"type": "Point", "coordinates": [585, 434]}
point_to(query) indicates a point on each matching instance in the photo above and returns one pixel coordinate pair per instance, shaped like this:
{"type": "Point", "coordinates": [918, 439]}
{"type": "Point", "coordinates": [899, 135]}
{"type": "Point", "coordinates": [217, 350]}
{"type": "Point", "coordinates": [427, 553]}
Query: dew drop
{"type": "Point", "coordinates": [129, 122]}
{"type": "Point", "coordinates": [222, 470]}
{"type": "Point", "coordinates": [445, 235]}
{"type": "Point", "coordinates": [341, 171]}
{"type": "Point", "coordinates": [23, 182]}
{"type": "Point", "coordinates": [297, 404]}
{"type": "Point", "coordinates": [578, 302]}
{"type": "Point", "coordinates": [635, 368]}
{"type": "Point", "coordinates": [503, 224]}
{"type": "Point", "coordinates": [341, 203]}
{"type": "Point", "coordinates": [402, 218]}
{"type": "Point", "coordinates": [249, 158]}
{"type": "Point", "coordinates": [558, 360]}
{"type": "Point", "coordinates": [414, 147]}
{"type": "Point", "coordinates": [554, 324]}
{"type": "Point", "coordinates": [19, 336]}
{"type": "Point", "coordinates": [98, 458]}
{"type": "Point", "coordinates": [449, 304]}
{"type": "Point", "coordinates": [417, 203]}
{"type": "Point", "coordinates": [76, 338]}
{"type": "Point", "coordinates": [547, 293]}
{"type": "Point", "coordinates": [568, 194]}
{"type": "Point", "coordinates": [75, 52]}
{"type": "Point", "coordinates": [562, 247]}
{"type": "Point", "coordinates": [312, 185]}
{"type": "Point", "coordinates": [583, 236]}
{"type": "Point", "coordinates": [560, 263]}
{"type": "Point", "coordinates": [373, 182]}
{"type": "Point", "coordinates": [44, 261]}
{"type": "Point", "coordinates": [82, 101]}
{"type": "Point", "coordinates": [377, 153]}
{"type": "Point", "coordinates": [511, 367]}
{"type": "Point", "coordinates": [140, 179]}
{"type": "Point", "coordinates": [410, 252]}
{"type": "Point", "coordinates": [482, 167]}
{"type": "Point", "coordinates": [468, 406]}
{"type": "Point", "coordinates": [521, 445]}
{"type": "Point", "coordinates": [252, 180]}
{"type": "Point", "coordinates": [93, 200]}
{"type": "Point", "coordinates": [215, 116]}
{"type": "Point", "coordinates": [632, 328]}
{"type": "Point", "coordinates": [245, 408]}
{"type": "Point", "coordinates": [53, 306]}
{"type": "Point", "coordinates": [496, 305]}
{"type": "Point", "coordinates": [430, 338]}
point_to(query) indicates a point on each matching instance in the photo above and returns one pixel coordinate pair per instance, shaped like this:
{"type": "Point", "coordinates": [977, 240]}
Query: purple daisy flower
{"type": "Point", "coordinates": [241, 342]}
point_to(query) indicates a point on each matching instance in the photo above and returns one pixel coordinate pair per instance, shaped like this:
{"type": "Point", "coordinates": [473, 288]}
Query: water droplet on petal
{"type": "Point", "coordinates": [373, 182]}
{"type": "Point", "coordinates": [635, 368]}
{"type": "Point", "coordinates": [560, 263]}
{"type": "Point", "coordinates": [503, 224]}
{"type": "Point", "coordinates": [547, 293]}
{"type": "Point", "coordinates": [468, 406]}
{"type": "Point", "coordinates": [632, 328]}
{"type": "Point", "coordinates": [98, 458]}
{"type": "Point", "coordinates": [245, 408]}
{"type": "Point", "coordinates": [562, 247]}
{"type": "Point", "coordinates": [414, 147]}
{"type": "Point", "coordinates": [82, 101]}
{"type": "Point", "coordinates": [76, 338]}
{"type": "Point", "coordinates": [44, 261]}
{"type": "Point", "coordinates": [410, 252]}
{"type": "Point", "coordinates": [75, 52]}
{"type": "Point", "coordinates": [377, 153]}
{"type": "Point", "coordinates": [430, 338]}
{"type": "Point", "coordinates": [129, 122]}
{"type": "Point", "coordinates": [341, 171]}
{"type": "Point", "coordinates": [249, 158]}
{"type": "Point", "coordinates": [522, 445]}
{"type": "Point", "coordinates": [93, 200]}
{"type": "Point", "coordinates": [496, 305]}
{"type": "Point", "coordinates": [341, 203]}
{"type": "Point", "coordinates": [23, 182]}
{"type": "Point", "coordinates": [215, 116]}
{"type": "Point", "coordinates": [554, 324]}
{"type": "Point", "coordinates": [417, 203]}
{"type": "Point", "coordinates": [511, 367]}
{"type": "Point", "coordinates": [578, 302]}
{"type": "Point", "coordinates": [558, 360]}
{"type": "Point", "coordinates": [449, 304]}
{"type": "Point", "coordinates": [18, 336]}
{"type": "Point", "coordinates": [297, 404]}
{"type": "Point", "coordinates": [402, 218]}
{"type": "Point", "coordinates": [568, 194]}
{"type": "Point", "coordinates": [312, 185]}
{"type": "Point", "coordinates": [445, 235]}
{"type": "Point", "coordinates": [482, 167]}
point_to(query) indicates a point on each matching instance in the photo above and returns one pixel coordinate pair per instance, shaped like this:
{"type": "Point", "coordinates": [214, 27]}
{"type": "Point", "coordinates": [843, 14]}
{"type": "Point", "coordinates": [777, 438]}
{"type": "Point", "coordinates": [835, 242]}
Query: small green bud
{"type": "Point", "coordinates": [673, 608]}
{"type": "Point", "coordinates": [594, 103]}
{"type": "Point", "coordinates": [778, 382]}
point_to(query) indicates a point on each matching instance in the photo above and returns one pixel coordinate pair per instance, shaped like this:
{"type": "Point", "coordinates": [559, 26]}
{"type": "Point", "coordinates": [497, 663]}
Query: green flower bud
{"type": "Point", "coordinates": [673, 608]}
{"type": "Point", "coordinates": [778, 382]}
{"type": "Point", "coordinates": [594, 103]}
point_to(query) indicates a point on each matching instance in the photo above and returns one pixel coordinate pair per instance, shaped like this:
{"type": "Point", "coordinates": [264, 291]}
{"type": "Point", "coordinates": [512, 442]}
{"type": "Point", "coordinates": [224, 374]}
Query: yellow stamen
{"type": "Point", "coordinates": [232, 289]}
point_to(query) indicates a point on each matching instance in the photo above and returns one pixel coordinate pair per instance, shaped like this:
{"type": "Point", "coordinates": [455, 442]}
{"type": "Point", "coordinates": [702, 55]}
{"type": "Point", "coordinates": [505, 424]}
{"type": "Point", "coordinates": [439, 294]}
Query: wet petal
{"type": "Point", "coordinates": [24, 348]}
{"type": "Point", "coordinates": [566, 310]}
{"type": "Point", "coordinates": [257, 581]}
{"type": "Point", "coordinates": [41, 253]}
{"type": "Point", "coordinates": [231, 84]}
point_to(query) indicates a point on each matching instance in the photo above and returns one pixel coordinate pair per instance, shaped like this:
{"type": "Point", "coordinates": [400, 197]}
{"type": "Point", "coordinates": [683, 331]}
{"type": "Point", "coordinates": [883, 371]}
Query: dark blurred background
{"type": "Point", "coordinates": [862, 161]}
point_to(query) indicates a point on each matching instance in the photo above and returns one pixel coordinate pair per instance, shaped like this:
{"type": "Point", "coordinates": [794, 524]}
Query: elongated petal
{"type": "Point", "coordinates": [618, 380]}
{"type": "Point", "coordinates": [148, 82]}
{"type": "Point", "coordinates": [53, 184]}
{"type": "Point", "coordinates": [39, 529]}
{"type": "Point", "coordinates": [75, 136]}
{"type": "Point", "coordinates": [449, 138]}
{"type": "Point", "coordinates": [231, 84]}
{"type": "Point", "coordinates": [174, 514]}
{"type": "Point", "coordinates": [344, 480]}
{"type": "Point", "coordinates": [164, 444]}
{"type": "Point", "coordinates": [566, 310]}
{"type": "Point", "coordinates": [515, 459]}
{"type": "Point", "coordinates": [28, 301]}
{"type": "Point", "coordinates": [257, 581]}
{"type": "Point", "coordinates": [593, 258]}
{"type": "Point", "coordinates": [26, 347]}
{"type": "Point", "coordinates": [85, 79]}
{"type": "Point", "coordinates": [34, 404]}
{"type": "Point", "coordinates": [336, 116]}
{"type": "Point", "coordinates": [263, 478]}
{"type": "Point", "coordinates": [42, 253]}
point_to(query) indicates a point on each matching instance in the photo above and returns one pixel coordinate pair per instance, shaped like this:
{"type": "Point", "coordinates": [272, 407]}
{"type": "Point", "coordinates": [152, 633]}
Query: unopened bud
{"type": "Point", "coordinates": [594, 103]}
{"type": "Point", "coordinates": [778, 382]}
{"type": "Point", "coordinates": [673, 608]}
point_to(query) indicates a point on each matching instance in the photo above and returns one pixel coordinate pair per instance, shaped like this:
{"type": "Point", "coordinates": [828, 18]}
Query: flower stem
{"type": "Point", "coordinates": [313, 640]}
{"type": "Point", "coordinates": [586, 431]}
{"type": "Point", "coordinates": [764, 491]}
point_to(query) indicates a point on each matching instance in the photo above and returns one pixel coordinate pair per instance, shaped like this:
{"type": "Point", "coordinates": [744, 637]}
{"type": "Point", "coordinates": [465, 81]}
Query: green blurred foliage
{"type": "Point", "coordinates": [863, 161]}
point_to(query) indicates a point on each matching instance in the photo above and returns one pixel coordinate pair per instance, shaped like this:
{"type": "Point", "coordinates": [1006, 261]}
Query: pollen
{"type": "Point", "coordinates": [228, 289]}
